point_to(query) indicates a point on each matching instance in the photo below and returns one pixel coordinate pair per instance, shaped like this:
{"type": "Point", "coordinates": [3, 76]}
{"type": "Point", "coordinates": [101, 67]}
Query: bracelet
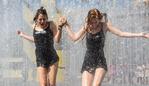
{"type": "Point", "coordinates": [60, 28]}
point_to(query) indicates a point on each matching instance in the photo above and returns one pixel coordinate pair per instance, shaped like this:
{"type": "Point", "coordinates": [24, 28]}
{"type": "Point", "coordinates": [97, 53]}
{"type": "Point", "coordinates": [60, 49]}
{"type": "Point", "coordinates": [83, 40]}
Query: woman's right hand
{"type": "Point", "coordinates": [25, 36]}
{"type": "Point", "coordinates": [19, 33]}
{"type": "Point", "coordinates": [146, 35]}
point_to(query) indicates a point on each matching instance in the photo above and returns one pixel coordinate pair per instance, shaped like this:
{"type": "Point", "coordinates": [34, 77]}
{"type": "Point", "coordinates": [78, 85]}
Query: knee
{"type": "Point", "coordinates": [43, 84]}
{"type": "Point", "coordinates": [52, 85]}
{"type": "Point", "coordinates": [96, 84]}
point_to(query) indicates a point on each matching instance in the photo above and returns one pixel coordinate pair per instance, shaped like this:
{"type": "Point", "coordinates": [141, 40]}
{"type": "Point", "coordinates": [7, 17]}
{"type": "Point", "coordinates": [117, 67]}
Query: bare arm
{"type": "Point", "coordinates": [57, 32]}
{"type": "Point", "coordinates": [25, 36]}
{"type": "Point", "coordinates": [120, 33]}
{"type": "Point", "coordinates": [75, 36]}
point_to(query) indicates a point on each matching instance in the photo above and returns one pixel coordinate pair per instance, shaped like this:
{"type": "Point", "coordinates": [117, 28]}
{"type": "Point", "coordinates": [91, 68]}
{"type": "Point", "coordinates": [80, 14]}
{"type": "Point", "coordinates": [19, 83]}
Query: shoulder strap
{"type": "Point", "coordinates": [103, 29]}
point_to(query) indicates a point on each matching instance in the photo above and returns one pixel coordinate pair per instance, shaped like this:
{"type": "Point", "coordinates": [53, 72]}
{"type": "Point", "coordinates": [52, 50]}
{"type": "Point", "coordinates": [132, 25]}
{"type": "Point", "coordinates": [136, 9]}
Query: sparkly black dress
{"type": "Point", "coordinates": [45, 53]}
{"type": "Point", "coordinates": [94, 57]}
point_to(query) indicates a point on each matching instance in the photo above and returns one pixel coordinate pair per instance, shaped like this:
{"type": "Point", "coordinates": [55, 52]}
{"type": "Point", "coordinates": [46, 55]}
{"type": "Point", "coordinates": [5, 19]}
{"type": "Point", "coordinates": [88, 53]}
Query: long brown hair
{"type": "Point", "coordinates": [42, 11]}
{"type": "Point", "coordinates": [94, 13]}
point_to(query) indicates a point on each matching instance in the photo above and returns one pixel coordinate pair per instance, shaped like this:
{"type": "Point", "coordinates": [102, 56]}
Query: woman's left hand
{"type": "Point", "coordinates": [145, 35]}
{"type": "Point", "coordinates": [62, 21]}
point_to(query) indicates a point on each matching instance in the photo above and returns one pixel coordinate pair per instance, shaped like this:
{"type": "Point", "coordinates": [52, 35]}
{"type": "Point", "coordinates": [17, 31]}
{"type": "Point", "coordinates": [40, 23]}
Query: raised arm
{"type": "Point", "coordinates": [56, 32]}
{"type": "Point", "coordinates": [75, 36]}
{"type": "Point", "coordinates": [57, 28]}
{"type": "Point", "coordinates": [120, 33]}
{"type": "Point", "coordinates": [25, 36]}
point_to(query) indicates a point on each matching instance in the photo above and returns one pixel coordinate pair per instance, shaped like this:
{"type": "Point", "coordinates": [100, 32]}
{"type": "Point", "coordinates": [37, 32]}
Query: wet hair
{"type": "Point", "coordinates": [95, 13]}
{"type": "Point", "coordinates": [42, 11]}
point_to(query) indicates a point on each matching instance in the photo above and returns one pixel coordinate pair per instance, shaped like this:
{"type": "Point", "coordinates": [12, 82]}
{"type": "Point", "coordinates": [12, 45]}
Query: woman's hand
{"type": "Point", "coordinates": [20, 33]}
{"type": "Point", "coordinates": [25, 36]}
{"type": "Point", "coordinates": [62, 21]}
{"type": "Point", "coordinates": [146, 35]}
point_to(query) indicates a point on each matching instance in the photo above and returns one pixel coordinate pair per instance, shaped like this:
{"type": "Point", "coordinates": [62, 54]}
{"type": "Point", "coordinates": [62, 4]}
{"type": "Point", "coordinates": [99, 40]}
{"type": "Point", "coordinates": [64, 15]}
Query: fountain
{"type": "Point", "coordinates": [127, 58]}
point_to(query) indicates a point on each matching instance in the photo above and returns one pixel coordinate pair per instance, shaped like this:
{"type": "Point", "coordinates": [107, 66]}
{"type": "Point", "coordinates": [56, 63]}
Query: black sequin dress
{"type": "Point", "coordinates": [94, 56]}
{"type": "Point", "coordinates": [45, 52]}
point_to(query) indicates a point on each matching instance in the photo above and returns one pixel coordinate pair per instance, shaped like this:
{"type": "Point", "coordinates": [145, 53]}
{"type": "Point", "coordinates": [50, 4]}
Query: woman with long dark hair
{"type": "Point", "coordinates": [44, 34]}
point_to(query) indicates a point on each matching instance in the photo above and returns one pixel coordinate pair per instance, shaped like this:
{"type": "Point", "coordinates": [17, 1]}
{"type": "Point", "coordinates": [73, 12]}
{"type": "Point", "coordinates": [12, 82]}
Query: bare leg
{"type": "Point", "coordinates": [87, 78]}
{"type": "Point", "coordinates": [52, 74]}
{"type": "Point", "coordinates": [42, 72]}
{"type": "Point", "coordinates": [99, 76]}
